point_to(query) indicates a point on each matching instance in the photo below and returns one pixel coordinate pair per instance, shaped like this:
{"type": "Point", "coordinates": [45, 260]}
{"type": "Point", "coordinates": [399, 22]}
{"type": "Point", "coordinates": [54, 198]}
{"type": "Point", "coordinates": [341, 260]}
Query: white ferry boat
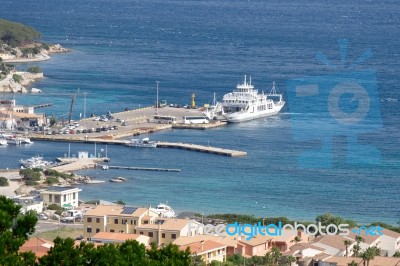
{"type": "Point", "coordinates": [245, 103]}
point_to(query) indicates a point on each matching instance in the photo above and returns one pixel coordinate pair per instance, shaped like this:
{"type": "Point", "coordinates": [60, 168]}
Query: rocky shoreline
{"type": "Point", "coordinates": [18, 81]}
{"type": "Point", "coordinates": [9, 85]}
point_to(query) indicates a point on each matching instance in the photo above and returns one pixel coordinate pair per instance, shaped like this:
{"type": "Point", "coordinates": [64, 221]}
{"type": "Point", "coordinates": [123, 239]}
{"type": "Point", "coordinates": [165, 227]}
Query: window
{"type": "Point", "coordinates": [209, 255]}
{"type": "Point", "coordinates": [150, 234]}
{"type": "Point", "coordinates": [173, 236]}
{"type": "Point", "coordinates": [97, 230]}
{"type": "Point", "coordinates": [116, 221]}
{"type": "Point", "coordinates": [124, 221]}
{"type": "Point", "coordinates": [97, 220]}
{"type": "Point", "coordinates": [89, 220]}
{"type": "Point", "coordinates": [145, 222]}
{"type": "Point", "coordinates": [50, 198]}
{"type": "Point", "coordinates": [65, 197]}
{"type": "Point", "coordinates": [141, 232]}
{"type": "Point", "coordinates": [134, 222]}
{"type": "Point", "coordinates": [112, 231]}
{"type": "Point", "coordinates": [163, 235]}
{"type": "Point", "coordinates": [89, 230]}
{"type": "Point", "coordinates": [74, 196]}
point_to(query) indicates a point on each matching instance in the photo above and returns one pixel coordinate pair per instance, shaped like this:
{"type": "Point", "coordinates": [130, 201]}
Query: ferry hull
{"type": "Point", "coordinates": [244, 116]}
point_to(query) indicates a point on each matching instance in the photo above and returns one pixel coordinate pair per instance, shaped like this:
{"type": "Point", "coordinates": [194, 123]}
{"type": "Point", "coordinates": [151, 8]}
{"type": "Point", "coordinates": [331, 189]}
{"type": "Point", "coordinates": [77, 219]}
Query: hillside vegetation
{"type": "Point", "coordinates": [16, 34]}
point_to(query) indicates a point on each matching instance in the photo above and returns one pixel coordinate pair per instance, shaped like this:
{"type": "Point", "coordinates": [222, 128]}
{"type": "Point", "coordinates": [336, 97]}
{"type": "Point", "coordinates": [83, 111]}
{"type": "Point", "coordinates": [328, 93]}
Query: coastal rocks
{"type": "Point", "coordinates": [57, 48]}
{"type": "Point", "coordinates": [8, 84]}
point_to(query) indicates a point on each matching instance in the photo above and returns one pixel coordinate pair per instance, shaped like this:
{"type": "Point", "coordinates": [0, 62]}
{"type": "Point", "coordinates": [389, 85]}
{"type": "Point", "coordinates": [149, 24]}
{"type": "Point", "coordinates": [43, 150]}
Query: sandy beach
{"type": "Point", "coordinates": [37, 58]}
{"type": "Point", "coordinates": [12, 176]}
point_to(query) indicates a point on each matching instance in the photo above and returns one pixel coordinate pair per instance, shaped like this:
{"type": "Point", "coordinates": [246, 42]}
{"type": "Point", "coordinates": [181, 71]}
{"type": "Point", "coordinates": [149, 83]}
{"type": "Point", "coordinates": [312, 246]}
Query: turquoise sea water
{"type": "Point", "coordinates": [120, 48]}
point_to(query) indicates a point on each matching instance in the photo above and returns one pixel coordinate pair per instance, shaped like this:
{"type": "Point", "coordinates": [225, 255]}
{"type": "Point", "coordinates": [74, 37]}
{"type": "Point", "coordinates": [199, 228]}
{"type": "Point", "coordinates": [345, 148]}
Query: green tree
{"type": "Point", "coordinates": [347, 243]}
{"type": "Point", "coordinates": [290, 259]}
{"type": "Point", "coordinates": [329, 218]}
{"type": "Point", "coordinates": [53, 121]}
{"type": "Point", "coordinates": [197, 261]}
{"type": "Point", "coordinates": [369, 254]}
{"type": "Point", "coordinates": [357, 246]}
{"type": "Point", "coordinates": [120, 202]}
{"type": "Point", "coordinates": [3, 182]}
{"type": "Point", "coordinates": [296, 240]}
{"type": "Point", "coordinates": [396, 254]}
{"type": "Point", "coordinates": [353, 263]}
{"type": "Point", "coordinates": [16, 34]}
{"type": "Point", "coordinates": [14, 230]}
{"type": "Point", "coordinates": [65, 253]}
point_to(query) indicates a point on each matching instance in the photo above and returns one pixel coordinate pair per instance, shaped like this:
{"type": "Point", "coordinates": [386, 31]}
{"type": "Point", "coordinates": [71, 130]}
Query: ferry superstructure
{"type": "Point", "coordinates": [245, 103]}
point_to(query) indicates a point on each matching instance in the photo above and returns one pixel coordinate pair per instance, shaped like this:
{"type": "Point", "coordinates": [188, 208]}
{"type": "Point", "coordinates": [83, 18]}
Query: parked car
{"type": "Point", "coordinates": [43, 216]}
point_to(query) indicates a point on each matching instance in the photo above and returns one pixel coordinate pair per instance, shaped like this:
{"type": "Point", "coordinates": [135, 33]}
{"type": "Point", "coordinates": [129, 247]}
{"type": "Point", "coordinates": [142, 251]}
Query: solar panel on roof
{"type": "Point", "coordinates": [128, 210]}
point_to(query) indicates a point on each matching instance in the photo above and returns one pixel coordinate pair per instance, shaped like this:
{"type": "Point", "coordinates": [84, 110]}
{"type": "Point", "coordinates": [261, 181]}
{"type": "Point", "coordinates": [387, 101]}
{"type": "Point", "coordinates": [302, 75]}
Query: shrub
{"type": "Point", "coordinates": [17, 78]}
{"type": "Point", "coordinates": [31, 183]}
{"type": "Point", "coordinates": [50, 172]}
{"type": "Point", "coordinates": [30, 174]}
{"type": "Point", "coordinates": [3, 181]}
{"type": "Point", "coordinates": [34, 69]}
{"type": "Point", "coordinates": [46, 46]}
{"type": "Point", "coordinates": [55, 207]}
{"type": "Point", "coordinates": [52, 180]}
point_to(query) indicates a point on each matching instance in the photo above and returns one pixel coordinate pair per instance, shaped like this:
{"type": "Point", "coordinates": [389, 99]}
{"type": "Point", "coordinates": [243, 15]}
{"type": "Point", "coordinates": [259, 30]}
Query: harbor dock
{"type": "Point", "coordinates": [176, 145]}
{"type": "Point", "coordinates": [140, 168]}
{"type": "Point", "coordinates": [133, 123]}
{"type": "Point", "coordinates": [201, 148]}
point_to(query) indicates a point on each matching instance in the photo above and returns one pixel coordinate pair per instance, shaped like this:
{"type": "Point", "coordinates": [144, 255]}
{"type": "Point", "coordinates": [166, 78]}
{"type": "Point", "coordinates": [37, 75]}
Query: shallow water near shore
{"type": "Point", "coordinates": [121, 48]}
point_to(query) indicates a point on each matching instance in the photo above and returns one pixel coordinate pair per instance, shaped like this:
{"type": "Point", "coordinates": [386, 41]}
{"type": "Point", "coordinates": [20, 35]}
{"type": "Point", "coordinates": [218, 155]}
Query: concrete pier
{"type": "Point", "coordinates": [201, 148]}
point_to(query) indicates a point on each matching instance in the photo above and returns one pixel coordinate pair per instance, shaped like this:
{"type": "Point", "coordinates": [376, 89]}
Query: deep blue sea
{"type": "Point", "coordinates": [121, 47]}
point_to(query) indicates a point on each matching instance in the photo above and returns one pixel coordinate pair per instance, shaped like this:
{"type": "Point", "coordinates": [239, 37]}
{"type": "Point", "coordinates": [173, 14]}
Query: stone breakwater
{"type": "Point", "coordinates": [8, 84]}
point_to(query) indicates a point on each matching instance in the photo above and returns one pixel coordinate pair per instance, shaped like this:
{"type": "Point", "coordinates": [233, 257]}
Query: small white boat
{"type": "Point", "coordinates": [3, 142]}
{"type": "Point", "coordinates": [165, 211]}
{"type": "Point", "coordinates": [142, 143]}
{"type": "Point", "coordinates": [118, 179]}
{"type": "Point", "coordinates": [35, 90]}
{"type": "Point", "coordinates": [14, 140]}
{"type": "Point", "coordinates": [26, 141]}
{"type": "Point", "coordinates": [105, 167]}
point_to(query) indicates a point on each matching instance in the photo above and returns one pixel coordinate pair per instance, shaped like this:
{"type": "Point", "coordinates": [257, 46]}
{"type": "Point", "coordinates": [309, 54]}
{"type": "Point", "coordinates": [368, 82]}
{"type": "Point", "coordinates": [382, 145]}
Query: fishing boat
{"type": "Point", "coordinates": [245, 103]}
{"type": "Point", "coordinates": [26, 141]}
{"type": "Point", "coordinates": [142, 143]}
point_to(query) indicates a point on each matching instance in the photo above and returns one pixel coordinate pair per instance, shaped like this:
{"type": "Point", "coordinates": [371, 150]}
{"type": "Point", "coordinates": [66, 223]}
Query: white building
{"type": "Point", "coordinates": [29, 204]}
{"type": "Point", "coordinates": [62, 196]}
{"type": "Point", "coordinates": [389, 242]}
